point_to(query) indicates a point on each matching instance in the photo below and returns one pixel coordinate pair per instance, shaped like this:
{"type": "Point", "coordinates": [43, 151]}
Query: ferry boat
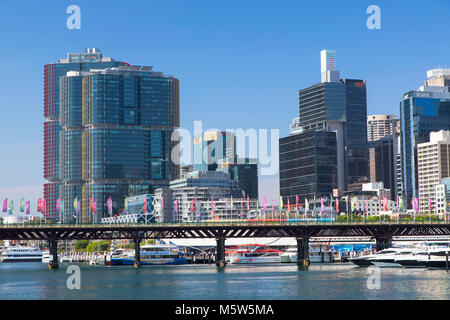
{"type": "Point", "coordinates": [316, 255]}
{"type": "Point", "coordinates": [21, 254]}
{"type": "Point", "coordinates": [151, 255]}
{"type": "Point", "coordinates": [253, 254]}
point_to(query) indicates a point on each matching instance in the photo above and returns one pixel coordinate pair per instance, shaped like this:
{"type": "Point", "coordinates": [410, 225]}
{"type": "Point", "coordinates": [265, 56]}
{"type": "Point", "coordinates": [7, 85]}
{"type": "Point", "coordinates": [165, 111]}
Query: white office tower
{"type": "Point", "coordinates": [328, 66]}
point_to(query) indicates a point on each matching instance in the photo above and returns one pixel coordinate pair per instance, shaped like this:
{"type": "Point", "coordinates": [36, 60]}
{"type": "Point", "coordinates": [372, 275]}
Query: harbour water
{"type": "Point", "coordinates": [207, 282]}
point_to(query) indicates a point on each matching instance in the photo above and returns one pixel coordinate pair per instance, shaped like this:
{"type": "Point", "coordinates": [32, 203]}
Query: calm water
{"type": "Point", "coordinates": [204, 282]}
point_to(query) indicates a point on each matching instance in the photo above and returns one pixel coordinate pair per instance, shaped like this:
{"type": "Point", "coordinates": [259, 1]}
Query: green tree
{"type": "Point", "coordinates": [81, 245]}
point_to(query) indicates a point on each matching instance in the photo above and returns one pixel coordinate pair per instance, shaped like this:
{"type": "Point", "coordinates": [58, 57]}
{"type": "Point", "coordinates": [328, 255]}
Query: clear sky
{"type": "Point", "coordinates": [240, 62]}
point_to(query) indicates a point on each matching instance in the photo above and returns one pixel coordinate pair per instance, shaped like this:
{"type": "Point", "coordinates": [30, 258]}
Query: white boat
{"type": "Point", "coordinates": [47, 258]}
{"type": "Point", "coordinates": [252, 254]}
{"type": "Point", "coordinates": [387, 257]}
{"type": "Point", "coordinates": [21, 254]}
{"type": "Point", "coordinates": [316, 255]}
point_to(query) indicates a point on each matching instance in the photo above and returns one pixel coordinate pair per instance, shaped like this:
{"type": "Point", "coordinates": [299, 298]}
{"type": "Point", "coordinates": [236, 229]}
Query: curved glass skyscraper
{"type": "Point", "coordinates": [115, 142]}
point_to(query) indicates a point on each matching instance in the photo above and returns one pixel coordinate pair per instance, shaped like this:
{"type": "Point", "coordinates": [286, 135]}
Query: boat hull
{"type": "Point", "coordinates": [130, 261]}
{"type": "Point", "coordinates": [21, 260]}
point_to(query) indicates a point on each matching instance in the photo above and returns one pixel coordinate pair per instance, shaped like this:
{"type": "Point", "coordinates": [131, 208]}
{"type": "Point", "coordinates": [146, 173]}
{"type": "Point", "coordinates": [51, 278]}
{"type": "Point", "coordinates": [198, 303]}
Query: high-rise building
{"type": "Point", "coordinates": [211, 147]}
{"type": "Point", "coordinates": [338, 106]}
{"type": "Point", "coordinates": [244, 171]}
{"type": "Point", "coordinates": [421, 112]}
{"type": "Point", "coordinates": [116, 127]}
{"type": "Point", "coordinates": [380, 125]}
{"type": "Point", "coordinates": [382, 136]}
{"type": "Point", "coordinates": [308, 165]}
{"type": "Point", "coordinates": [433, 159]}
{"type": "Point", "coordinates": [383, 158]}
{"type": "Point", "coordinates": [90, 59]}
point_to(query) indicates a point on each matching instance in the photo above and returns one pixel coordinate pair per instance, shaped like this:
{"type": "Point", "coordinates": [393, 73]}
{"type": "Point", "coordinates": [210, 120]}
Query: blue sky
{"type": "Point", "coordinates": [240, 63]}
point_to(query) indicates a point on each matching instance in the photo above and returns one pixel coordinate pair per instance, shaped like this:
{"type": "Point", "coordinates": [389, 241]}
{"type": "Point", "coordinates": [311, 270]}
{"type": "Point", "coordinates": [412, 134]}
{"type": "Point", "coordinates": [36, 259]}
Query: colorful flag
{"type": "Point", "coordinates": [109, 205]}
{"type": "Point", "coordinates": [75, 204]}
{"type": "Point", "coordinates": [144, 209]}
{"type": "Point", "coordinates": [400, 204]}
{"type": "Point", "coordinates": [5, 205]}
{"type": "Point", "coordinates": [78, 206]}
{"type": "Point", "coordinates": [11, 207]}
{"type": "Point", "coordinates": [62, 206]}
{"type": "Point", "coordinates": [248, 203]}
{"type": "Point", "coordinates": [281, 202]}
{"type": "Point", "coordinates": [265, 203]}
{"type": "Point", "coordinates": [27, 207]}
{"type": "Point", "coordinates": [385, 204]}
{"type": "Point", "coordinates": [39, 205]}
{"type": "Point", "coordinates": [162, 203]}
{"type": "Point", "coordinates": [306, 205]}
{"type": "Point", "coordinates": [416, 204]}
{"type": "Point", "coordinates": [289, 207]}
{"type": "Point", "coordinates": [296, 202]}
{"type": "Point", "coordinates": [337, 205]}
{"type": "Point", "coordinates": [176, 206]}
{"type": "Point", "coordinates": [126, 205]}
{"type": "Point", "coordinates": [430, 205]}
{"type": "Point", "coordinates": [322, 206]}
{"type": "Point", "coordinates": [44, 206]}
{"type": "Point", "coordinates": [58, 205]}
{"type": "Point", "coordinates": [22, 205]}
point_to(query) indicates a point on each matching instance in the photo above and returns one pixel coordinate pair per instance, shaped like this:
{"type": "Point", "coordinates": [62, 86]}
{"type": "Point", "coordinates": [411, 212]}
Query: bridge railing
{"type": "Point", "coordinates": [220, 223]}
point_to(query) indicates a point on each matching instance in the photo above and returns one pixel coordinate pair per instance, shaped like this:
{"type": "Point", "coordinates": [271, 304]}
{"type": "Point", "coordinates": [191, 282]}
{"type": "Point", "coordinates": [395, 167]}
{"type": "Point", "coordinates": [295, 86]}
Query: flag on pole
{"type": "Point", "coordinates": [265, 203]}
{"type": "Point", "coordinates": [296, 202]}
{"type": "Point", "coordinates": [248, 203]}
{"type": "Point", "coordinates": [322, 206]}
{"type": "Point", "coordinates": [78, 206]}
{"type": "Point", "coordinates": [126, 205]}
{"type": "Point", "coordinates": [58, 205]}
{"type": "Point", "coordinates": [27, 207]}
{"type": "Point", "coordinates": [62, 207]}
{"type": "Point", "coordinates": [337, 205]}
{"type": "Point", "coordinates": [281, 202]}
{"type": "Point", "coordinates": [109, 205]}
{"type": "Point", "coordinates": [44, 206]}
{"type": "Point", "coordinates": [289, 207]}
{"type": "Point", "coordinates": [22, 205]}
{"type": "Point", "coordinates": [385, 204]}
{"type": "Point", "coordinates": [39, 205]}
{"type": "Point", "coordinates": [75, 203]}
{"type": "Point", "coordinates": [416, 204]}
{"type": "Point", "coordinates": [231, 203]}
{"type": "Point", "coordinates": [11, 207]}
{"type": "Point", "coordinates": [144, 209]}
{"type": "Point", "coordinates": [162, 203]}
{"type": "Point", "coordinates": [306, 205]}
{"type": "Point", "coordinates": [176, 206]}
{"type": "Point", "coordinates": [430, 205]}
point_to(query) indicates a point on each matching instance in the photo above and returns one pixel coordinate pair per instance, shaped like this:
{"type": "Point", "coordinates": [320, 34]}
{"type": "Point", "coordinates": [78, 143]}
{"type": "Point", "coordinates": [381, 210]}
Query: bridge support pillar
{"type": "Point", "coordinates": [53, 249]}
{"type": "Point", "coordinates": [220, 252]}
{"type": "Point", "coordinates": [383, 242]}
{"type": "Point", "coordinates": [303, 253]}
{"type": "Point", "coordinates": [137, 253]}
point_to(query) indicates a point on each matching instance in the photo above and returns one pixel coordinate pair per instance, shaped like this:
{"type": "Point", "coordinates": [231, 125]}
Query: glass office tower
{"type": "Point", "coordinates": [91, 58]}
{"type": "Point", "coordinates": [420, 113]}
{"type": "Point", "coordinates": [308, 165]}
{"type": "Point", "coordinates": [117, 142]}
{"type": "Point", "coordinates": [212, 147]}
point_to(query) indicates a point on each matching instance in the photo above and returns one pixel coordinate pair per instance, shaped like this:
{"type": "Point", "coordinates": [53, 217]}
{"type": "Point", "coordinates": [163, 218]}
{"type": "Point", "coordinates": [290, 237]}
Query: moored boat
{"type": "Point", "coordinates": [151, 255]}
{"type": "Point", "coordinates": [21, 254]}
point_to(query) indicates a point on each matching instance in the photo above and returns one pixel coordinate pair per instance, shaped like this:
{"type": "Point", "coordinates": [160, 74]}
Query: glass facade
{"type": "Point", "coordinates": [116, 137]}
{"type": "Point", "coordinates": [52, 127]}
{"type": "Point", "coordinates": [418, 117]}
{"type": "Point", "coordinates": [308, 165]}
{"type": "Point", "coordinates": [213, 147]}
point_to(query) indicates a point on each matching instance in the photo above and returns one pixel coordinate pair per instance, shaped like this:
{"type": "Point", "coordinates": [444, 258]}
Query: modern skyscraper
{"type": "Point", "coordinates": [244, 171]}
{"type": "Point", "coordinates": [211, 147]}
{"type": "Point", "coordinates": [421, 112]}
{"type": "Point", "coordinates": [380, 125]}
{"type": "Point", "coordinates": [382, 135]}
{"type": "Point", "coordinates": [116, 136]}
{"type": "Point", "coordinates": [433, 159]}
{"type": "Point", "coordinates": [90, 59]}
{"type": "Point", "coordinates": [308, 165]}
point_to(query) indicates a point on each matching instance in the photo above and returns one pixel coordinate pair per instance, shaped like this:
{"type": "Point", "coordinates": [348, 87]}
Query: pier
{"type": "Point", "coordinates": [304, 232]}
